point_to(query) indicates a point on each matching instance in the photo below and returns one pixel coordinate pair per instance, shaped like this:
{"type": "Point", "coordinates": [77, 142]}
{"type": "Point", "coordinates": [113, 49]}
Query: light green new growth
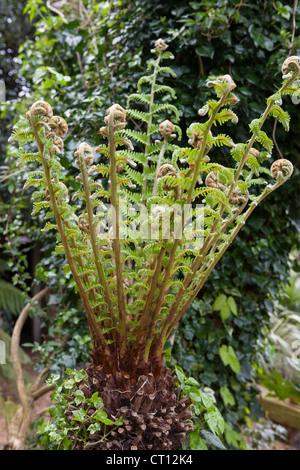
{"type": "Point", "coordinates": [134, 287]}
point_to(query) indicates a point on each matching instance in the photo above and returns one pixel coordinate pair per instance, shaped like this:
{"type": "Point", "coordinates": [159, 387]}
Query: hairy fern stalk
{"type": "Point", "coordinates": [137, 262]}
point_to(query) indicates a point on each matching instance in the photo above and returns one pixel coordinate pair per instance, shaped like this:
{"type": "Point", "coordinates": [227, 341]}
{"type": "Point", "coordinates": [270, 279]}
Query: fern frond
{"type": "Point", "coordinates": [12, 299]}
{"type": "Point", "coordinates": [142, 97]}
{"type": "Point", "coordinates": [164, 89]}
{"type": "Point", "coordinates": [222, 139]}
{"type": "Point", "coordinates": [265, 141]}
{"type": "Point", "coordinates": [157, 108]}
{"type": "Point", "coordinates": [140, 115]}
{"type": "Point", "coordinates": [282, 116]}
{"type": "Point", "coordinates": [26, 158]}
{"type": "Point", "coordinates": [226, 115]}
{"type": "Point", "coordinates": [135, 135]}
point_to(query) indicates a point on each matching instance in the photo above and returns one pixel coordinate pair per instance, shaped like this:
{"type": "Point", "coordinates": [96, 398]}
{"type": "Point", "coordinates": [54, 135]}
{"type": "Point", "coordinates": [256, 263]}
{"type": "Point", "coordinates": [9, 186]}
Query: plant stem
{"type": "Point", "coordinates": [152, 94]}
{"type": "Point", "coordinates": [188, 201]}
{"type": "Point", "coordinates": [219, 255]}
{"type": "Point", "coordinates": [89, 312]}
{"type": "Point", "coordinates": [116, 227]}
{"type": "Point", "coordinates": [211, 241]}
{"type": "Point", "coordinates": [93, 236]}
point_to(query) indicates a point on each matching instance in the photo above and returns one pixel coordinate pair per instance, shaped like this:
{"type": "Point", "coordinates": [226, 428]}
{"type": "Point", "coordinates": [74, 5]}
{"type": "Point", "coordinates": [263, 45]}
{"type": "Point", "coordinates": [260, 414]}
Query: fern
{"type": "Point", "coordinates": [11, 298]}
{"type": "Point", "coordinates": [135, 288]}
{"type": "Point", "coordinates": [282, 116]}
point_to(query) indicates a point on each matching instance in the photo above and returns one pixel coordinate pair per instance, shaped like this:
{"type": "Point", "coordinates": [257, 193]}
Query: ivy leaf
{"type": "Point", "coordinates": [206, 400]}
{"type": "Point", "coordinates": [79, 375]}
{"type": "Point", "coordinates": [192, 381]}
{"type": "Point", "coordinates": [212, 439]}
{"type": "Point", "coordinates": [69, 384]}
{"type": "Point", "coordinates": [180, 374]}
{"type": "Point", "coordinates": [79, 397]}
{"type": "Point", "coordinates": [94, 427]}
{"type": "Point", "coordinates": [228, 357]}
{"type": "Point", "coordinates": [215, 421]}
{"type": "Point", "coordinates": [79, 415]}
{"type": "Point", "coordinates": [101, 416]}
{"type": "Point", "coordinates": [227, 396]}
{"type": "Point", "coordinates": [196, 442]}
{"type": "Point", "coordinates": [221, 305]}
{"type": "Point", "coordinates": [96, 400]}
{"type": "Point", "coordinates": [232, 305]}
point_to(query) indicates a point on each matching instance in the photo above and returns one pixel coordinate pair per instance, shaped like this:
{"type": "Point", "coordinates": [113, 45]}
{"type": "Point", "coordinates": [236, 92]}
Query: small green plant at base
{"type": "Point", "coordinates": [71, 426]}
{"type": "Point", "coordinates": [209, 423]}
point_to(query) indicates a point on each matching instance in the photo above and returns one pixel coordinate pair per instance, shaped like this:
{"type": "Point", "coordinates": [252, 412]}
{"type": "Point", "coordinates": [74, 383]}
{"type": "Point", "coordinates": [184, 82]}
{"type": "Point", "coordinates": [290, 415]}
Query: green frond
{"type": "Point", "coordinates": [140, 115]}
{"type": "Point", "coordinates": [153, 129]}
{"type": "Point", "coordinates": [253, 164]}
{"type": "Point", "coordinates": [226, 115]}
{"type": "Point", "coordinates": [142, 97]}
{"type": "Point", "coordinates": [166, 70]}
{"type": "Point", "coordinates": [154, 148]}
{"type": "Point", "coordinates": [137, 157]}
{"type": "Point", "coordinates": [23, 136]}
{"type": "Point", "coordinates": [135, 135]}
{"type": "Point", "coordinates": [26, 158]}
{"type": "Point", "coordinates": [135, 176]}
{"type": "Point", "coordinates": [11, 298]}
{"type": "Point", "coordinates": [237, 152]}
{"type": "Point", "coordinates": [134, 198]}
{"type": "Point", "coordinates": [259, 181]}
{"type": "Point", "coordinates": [37, 183]}
{"type": "Point", "coordinates": [216, 197]}
{"type": "Point", "coordinates": [255, 126]}
{"type": "Point", "coordinates": [164, 89]}
{"type": "Point", "coordinates": [157, 108]}
{"type": "Point", "coordinates": [101, 169]}
{"type": "Point", "coordinates": [276, 97]}
{"type": "Point", "coordinates": [49, 226]}
{"type": "Point", "coordinates": [148, 79]}
{"type": "Point", "coordinates": [222, 139]}
{"type": "Point", "coordinates": [38, 206]}
{"type": "Point", "coordinates": [243, 186]}
{"type": "Point", "coordinates": [282, 116]}
{"type": "Point", "coordinates": [265, 141]}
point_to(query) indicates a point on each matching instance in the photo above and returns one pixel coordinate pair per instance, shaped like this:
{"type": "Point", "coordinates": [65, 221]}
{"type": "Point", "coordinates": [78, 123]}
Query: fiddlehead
{"type": "Point", "coordinates": [281, 169]}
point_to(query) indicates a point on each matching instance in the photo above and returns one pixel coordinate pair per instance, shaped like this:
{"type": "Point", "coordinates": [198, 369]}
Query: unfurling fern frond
{"type": "Point", "coordinates": [140, 260]}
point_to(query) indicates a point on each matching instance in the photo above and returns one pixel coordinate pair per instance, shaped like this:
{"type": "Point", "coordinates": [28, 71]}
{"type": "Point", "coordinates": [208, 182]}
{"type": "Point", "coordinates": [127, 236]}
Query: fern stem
{"type": "Point", "coordinates": [152, 95]}
{"type": "Point", "coordinates": [93, 236]}
{"type": "Point", "coordinates": [116, 241]}
{"type": "Point", "coordinates": [219, 255]}
{"type": "Point", "coordinates": [146, 318]}
{"type": "Point", "coordinates": [211, 240]}
{"type": "Point", "coordinates": [89, 312]}
{"type": "Point", "coordinates": [167, 273]}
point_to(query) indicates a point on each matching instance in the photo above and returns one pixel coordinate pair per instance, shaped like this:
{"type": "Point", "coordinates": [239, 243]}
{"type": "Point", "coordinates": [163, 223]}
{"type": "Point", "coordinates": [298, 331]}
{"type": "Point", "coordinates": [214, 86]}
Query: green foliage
{"type": "Point", "coordinates": [278, 386]}
{"type": "Point", "coordinates": [11, 298]}
{"type": "Point", "coordinates": [225, 305]}
{"type": "Point", "coordinates": [209, 423]}
{"type": "Point", "coordinates": [66, 429]}
{"type": "Point", "coordinates": [137, 317]}
{"type": "Point", "coordinates": [278, 365]}
{"type": "Point", "coordinates": [228, 357]}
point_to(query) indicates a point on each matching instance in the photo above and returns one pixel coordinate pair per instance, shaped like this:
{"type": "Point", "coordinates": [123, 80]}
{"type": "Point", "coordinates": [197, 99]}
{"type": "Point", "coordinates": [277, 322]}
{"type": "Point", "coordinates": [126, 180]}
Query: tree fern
{"type": "Point", "coordinates": [135, 288]}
